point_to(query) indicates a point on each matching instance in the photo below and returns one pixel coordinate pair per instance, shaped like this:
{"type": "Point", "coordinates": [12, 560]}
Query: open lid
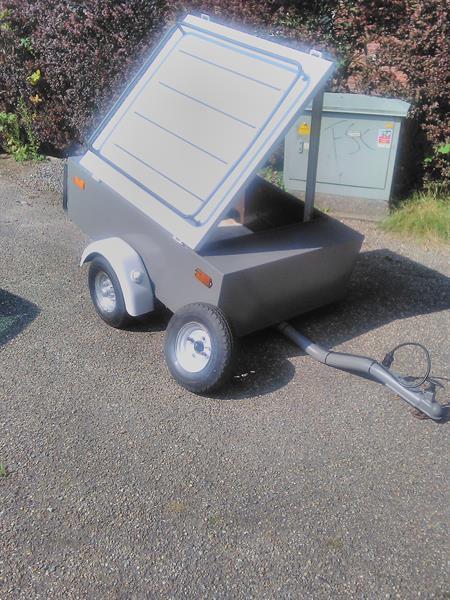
{"type": "Point", "coordinates": [198, 121]}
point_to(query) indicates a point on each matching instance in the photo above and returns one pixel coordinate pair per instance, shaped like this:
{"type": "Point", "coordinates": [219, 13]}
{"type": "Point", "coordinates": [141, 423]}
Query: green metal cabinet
{"type": "Point", "coordinates": [358, 147]}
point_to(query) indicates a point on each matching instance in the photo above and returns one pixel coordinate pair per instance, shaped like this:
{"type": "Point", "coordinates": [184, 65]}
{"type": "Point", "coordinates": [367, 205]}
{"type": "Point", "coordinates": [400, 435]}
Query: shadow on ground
{"type": "Point", "coordinates": [15, 314]}
{"type": "Point", "coordinates": [153, 322]}
{"type": "Point", "coordinates": [385, 287]}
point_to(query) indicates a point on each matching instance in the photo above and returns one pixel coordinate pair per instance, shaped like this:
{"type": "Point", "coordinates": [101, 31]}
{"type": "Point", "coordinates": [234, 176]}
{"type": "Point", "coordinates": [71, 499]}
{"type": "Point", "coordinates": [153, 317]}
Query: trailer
{"type": "Point", "coordinates": [168, 192]}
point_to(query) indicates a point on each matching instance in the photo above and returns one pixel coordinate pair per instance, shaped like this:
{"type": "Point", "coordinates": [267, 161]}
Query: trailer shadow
{"type": "Point", "coordinates": [15, 314]}
{"type": "Point", "coordinates": [262, 367]}
{"type": "Point", "coordinates": [385, 287]}
{"type": "Point", "coordinates": [153, 322]}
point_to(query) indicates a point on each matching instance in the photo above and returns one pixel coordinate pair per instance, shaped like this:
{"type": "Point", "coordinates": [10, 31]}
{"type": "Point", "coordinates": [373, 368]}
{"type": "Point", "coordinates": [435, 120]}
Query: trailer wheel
{"type": "Point", "coordinates": [106, 293]}
{"type": "Point", "coordinates": [199, 347]}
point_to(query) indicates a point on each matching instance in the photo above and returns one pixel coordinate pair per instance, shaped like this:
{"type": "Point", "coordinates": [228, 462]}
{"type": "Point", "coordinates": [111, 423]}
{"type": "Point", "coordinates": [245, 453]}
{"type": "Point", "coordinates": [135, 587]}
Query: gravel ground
{"type": "Point", "coordinates": [45, 176]}
{"type": "Point", "coordinates": [297, 481]}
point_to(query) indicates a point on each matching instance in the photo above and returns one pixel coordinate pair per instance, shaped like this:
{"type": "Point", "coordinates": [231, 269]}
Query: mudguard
{"type": "Point", "coordinates": [134, 281]}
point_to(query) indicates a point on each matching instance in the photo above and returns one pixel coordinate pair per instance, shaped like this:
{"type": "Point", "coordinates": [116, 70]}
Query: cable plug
{"type": "Point", "coordinates": [388, 360]}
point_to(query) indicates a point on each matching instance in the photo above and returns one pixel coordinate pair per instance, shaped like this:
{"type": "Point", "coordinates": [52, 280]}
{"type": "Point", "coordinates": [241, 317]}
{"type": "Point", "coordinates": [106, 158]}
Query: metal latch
{"type": "Point", "coordinates": [205, 17]}
{"type": "Point", "coordinates": [315, 53]}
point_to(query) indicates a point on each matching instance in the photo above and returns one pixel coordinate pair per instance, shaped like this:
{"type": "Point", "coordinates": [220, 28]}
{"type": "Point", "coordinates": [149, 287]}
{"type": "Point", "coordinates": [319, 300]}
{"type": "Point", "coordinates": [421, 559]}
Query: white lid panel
{"type": "Point", "coordinates": [199, 120]}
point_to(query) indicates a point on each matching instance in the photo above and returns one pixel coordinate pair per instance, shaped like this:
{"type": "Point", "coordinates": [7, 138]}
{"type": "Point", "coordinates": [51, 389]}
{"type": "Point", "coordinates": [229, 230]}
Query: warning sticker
{"type": "Point", "coordinates": [384, 138]}
{"type": "Point", "coordinates": [303, 129]}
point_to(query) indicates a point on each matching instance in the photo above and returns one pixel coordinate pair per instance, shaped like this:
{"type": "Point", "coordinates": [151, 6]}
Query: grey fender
{"type": "Point", "coordinates": [130, 270]}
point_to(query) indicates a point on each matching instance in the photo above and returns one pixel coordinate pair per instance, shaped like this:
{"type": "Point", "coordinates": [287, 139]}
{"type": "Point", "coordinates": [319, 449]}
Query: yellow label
{"type": "Point", "coordinates": [389, 125]}
{"type": "Point", "coordinates": [303, 129]}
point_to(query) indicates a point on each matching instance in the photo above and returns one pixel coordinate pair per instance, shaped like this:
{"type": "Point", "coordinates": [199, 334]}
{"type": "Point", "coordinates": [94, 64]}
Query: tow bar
{"type": "Point", "coordinates": [422, 400]}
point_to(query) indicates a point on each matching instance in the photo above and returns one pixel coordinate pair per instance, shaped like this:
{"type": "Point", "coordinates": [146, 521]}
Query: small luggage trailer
{"type": "Point", "coordinates": [167, 191]}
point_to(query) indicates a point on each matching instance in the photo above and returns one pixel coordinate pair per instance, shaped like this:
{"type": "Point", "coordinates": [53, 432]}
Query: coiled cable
{"type": "Point", "coordinates": [389, 359]}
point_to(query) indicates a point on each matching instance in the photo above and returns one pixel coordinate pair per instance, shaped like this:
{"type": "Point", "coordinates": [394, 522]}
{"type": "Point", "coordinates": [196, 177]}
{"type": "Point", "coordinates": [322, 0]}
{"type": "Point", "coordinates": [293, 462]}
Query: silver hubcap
{"type": "Point", "coordinates": [104, 292]}
{"type": "Point", "coordinates": [193, 347]}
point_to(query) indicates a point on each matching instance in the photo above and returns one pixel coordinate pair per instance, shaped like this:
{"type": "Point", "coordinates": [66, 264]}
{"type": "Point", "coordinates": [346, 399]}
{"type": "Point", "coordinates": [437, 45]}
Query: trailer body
{"type": "Point", "coordinates": [258, 278]}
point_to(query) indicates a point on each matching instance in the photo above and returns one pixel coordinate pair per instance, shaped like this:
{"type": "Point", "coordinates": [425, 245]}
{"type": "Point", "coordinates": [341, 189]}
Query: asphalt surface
{"type": "Point", "coordinates": [297, 481]}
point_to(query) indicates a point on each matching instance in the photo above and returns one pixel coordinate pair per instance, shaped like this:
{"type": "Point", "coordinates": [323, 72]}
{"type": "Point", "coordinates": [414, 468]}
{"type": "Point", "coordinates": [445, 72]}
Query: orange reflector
{"type": "Point", "coordinates": [79, 182]}
{"type": "Point", "coordinates": [203, 278]}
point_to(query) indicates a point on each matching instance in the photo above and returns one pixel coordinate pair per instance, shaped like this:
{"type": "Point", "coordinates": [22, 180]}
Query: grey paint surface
{"type": "Point", "coordinates": [352, 162]}
{"type": "Point", "coordinates": [286, 271]}
{"type": "Point", "coordinates": [100, 213]}
{"type": "Point", "coordinates": [307, 264]}
{"type": "Point", "coordinates": [313, 155]}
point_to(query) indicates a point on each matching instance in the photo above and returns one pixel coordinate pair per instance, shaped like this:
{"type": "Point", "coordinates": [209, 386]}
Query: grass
{"type": "Point", "coordinates": [3, 470]}
{"type": "Point", "coordinates": [424, 216]}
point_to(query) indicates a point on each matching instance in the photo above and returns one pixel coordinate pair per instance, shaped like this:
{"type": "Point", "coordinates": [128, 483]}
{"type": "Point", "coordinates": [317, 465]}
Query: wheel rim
{"type": "Point", "coordinates": [104, 292]}
{"type": "Point", "coordinates": [193, 347]}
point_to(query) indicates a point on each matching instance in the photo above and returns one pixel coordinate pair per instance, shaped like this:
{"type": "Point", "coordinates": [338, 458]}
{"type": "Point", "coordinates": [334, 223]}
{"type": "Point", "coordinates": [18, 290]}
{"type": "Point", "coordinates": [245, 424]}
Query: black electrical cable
{"type": "Point", "coordinates": [389, 359]}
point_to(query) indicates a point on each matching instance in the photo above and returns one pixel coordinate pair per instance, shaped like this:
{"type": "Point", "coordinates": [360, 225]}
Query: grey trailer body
{"type": "Point", "coordinates": [258, 278]}
{"type": "Point", "coordinates": [168, 166]}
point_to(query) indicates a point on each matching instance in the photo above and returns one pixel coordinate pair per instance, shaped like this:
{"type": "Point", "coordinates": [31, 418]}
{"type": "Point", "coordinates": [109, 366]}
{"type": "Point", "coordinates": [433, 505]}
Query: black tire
{"type": "Point", "coordinates": [118, 317]}
{"type": "Point", "coordinates": [217, 370]}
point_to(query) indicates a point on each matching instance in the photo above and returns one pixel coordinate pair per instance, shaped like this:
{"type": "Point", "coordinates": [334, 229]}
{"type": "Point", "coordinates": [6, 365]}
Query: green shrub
{"type": "Point", "coordinates": [77, 57]}
{"type": "Point", "coordinates": [272, 175]}
{"type": "Point", "coordinates": [16, 131]}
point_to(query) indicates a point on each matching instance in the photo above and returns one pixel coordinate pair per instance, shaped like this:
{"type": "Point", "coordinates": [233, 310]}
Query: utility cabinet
{"type": "Point", "coordinates": [358, 148]}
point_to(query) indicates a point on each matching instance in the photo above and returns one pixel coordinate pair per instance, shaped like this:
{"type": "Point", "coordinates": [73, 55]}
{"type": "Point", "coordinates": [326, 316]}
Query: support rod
{"type": "Point", "coordinates": [313, 155]}
{"type": "Point", "coordinates": [369, 367]}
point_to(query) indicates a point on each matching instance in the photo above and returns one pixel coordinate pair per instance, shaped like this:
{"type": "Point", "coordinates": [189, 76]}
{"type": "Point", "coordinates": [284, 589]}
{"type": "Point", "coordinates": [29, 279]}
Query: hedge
{"type": "Point", "coordinates": [68, 60]}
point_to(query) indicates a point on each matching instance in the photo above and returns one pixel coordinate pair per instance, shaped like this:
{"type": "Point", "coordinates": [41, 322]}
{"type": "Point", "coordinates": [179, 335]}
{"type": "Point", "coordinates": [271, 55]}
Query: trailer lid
{"type": "Point", "coordinates": [197, 122]}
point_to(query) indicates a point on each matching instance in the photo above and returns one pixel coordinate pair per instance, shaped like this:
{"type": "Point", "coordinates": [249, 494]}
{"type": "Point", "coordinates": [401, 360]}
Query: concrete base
{"type": "Point", "coordinates": [348, 207]}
